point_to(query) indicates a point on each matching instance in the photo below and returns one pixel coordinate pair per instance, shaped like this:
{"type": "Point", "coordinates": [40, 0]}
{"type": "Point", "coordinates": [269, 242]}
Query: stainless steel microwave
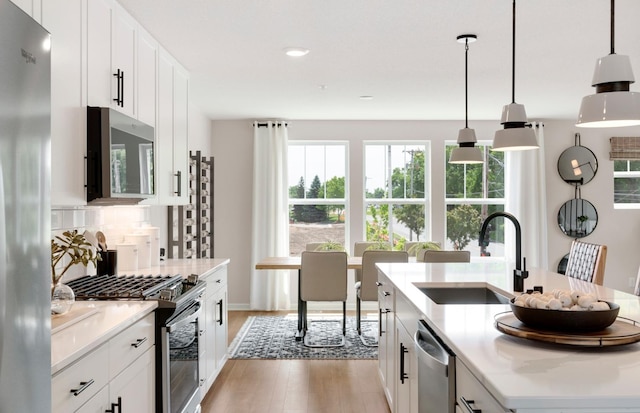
{"type": "Point", "coordinates": [120, 158]}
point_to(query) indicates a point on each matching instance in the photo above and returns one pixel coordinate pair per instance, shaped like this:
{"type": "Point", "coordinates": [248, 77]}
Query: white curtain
{"type": "Point", "coordinates": [270, 218]}
{"type": "Point", "coordinates": [526, 199]}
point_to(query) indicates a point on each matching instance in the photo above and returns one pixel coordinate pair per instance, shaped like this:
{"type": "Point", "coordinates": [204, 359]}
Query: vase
{"type": "Point", "coordinates": [62, 299]}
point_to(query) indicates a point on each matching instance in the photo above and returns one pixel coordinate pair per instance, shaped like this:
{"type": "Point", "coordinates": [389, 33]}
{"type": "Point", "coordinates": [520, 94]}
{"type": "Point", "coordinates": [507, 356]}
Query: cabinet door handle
{"type": "Point", "coordinates": [138, 342]}
{"type": "Point", "coordinates": [114, 405]}
{"type": "Point", "coordinates": [201, 332]}
{"type": "Point", "coordinates": [467, 405]}
{"type": "Point", "coordinates": [386, 293]}
{"type": "Point", "coordinates": [378, 283]}
{"type": "Point", "coordinates": [403, 351]}
{"type": "Point", "coordinates": [221, 307]}
{"type": "Point", "coordinates": [83, 386]}
{"type": "Point", "coordinates": [120, 78]}
{"type": "Point", "coordinates": [178, 174]}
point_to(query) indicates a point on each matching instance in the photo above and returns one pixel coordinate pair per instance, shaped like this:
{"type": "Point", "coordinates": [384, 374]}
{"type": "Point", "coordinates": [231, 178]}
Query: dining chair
{"type": "Point", "coordinates": [587, 261]}
{"type": "Point", "coordinates": [446, 256]}
{"type": "Point", "coordinates": [323, 277]}
{"type": "Point", "coordinates": [367, 289]}
{"type": "Point", "coordinates": [358, 249]}
{"type": "Point", "coordinates": [313, 246]}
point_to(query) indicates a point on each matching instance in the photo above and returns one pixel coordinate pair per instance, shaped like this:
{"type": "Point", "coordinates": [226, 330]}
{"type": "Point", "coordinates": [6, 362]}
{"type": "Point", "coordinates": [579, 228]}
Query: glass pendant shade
{"type": "Point", "coordinates": [612, 105]}
{"type": "Point", "coordinates": [516, 135]}
{"type": "Point", "coordinates": [466, 151]}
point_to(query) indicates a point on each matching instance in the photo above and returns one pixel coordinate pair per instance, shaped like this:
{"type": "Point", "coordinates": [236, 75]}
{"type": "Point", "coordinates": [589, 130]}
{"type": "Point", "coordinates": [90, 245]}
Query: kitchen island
{"type": "Point", "coordinates": [520, 374]}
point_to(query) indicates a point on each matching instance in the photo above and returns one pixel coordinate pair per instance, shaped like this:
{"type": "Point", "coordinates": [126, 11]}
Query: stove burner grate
{"type": "Point", "coordinates": [109, 287]}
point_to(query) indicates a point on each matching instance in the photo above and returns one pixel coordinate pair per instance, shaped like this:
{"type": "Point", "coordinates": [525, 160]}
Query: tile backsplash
{"type": "Point", "coordinates": [113, 221]}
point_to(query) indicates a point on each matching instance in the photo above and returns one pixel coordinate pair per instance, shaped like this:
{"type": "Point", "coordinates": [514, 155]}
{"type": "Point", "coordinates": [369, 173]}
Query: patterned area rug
{"type": "Point", "coordinates": [273, 337]}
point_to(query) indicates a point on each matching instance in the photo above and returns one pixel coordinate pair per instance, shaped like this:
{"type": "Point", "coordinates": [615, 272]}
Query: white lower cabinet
{"type": "Point", "coordinates": [407, 371]}
{"type": "Point", "coordinates": [213, 335]}
{"type": "Point", "coordinates": [118, 376]}
{"type": "Point", "coordinates": [471, 395]}
{"type": "Point", "coordinates": [386, 339]}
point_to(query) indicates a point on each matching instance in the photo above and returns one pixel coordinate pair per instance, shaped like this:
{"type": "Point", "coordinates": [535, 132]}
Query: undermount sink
{"type": "Point", "coordinates": [464, 295]}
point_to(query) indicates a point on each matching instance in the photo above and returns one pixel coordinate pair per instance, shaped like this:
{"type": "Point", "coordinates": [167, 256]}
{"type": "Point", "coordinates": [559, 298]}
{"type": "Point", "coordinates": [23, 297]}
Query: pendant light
{"type": "Point", "coordinates": [613, 104]}
{"type": "Point", "coordinates": [517, 134]}
{"type": "Point", "coordinates": [466, 151]}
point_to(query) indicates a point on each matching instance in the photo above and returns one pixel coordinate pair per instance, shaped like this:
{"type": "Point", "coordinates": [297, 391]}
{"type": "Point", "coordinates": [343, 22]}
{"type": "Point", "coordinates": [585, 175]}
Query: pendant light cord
{"type": "Point", "coordinates": [613, 19]}
{"type": "Point", "coordinates": [513, 56]}
{"type": "Point", "coordinates": [466, 77]}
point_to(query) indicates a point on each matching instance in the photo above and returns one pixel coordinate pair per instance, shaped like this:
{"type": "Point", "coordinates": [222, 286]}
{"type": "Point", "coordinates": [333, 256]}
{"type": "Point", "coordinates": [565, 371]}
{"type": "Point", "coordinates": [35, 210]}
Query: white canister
{"type": "Point", "coordinates": [127, 257]}
{"type": "Point", "coordinates": [144, 248]}
{"type": "Point", "coordinates": [154, 233]}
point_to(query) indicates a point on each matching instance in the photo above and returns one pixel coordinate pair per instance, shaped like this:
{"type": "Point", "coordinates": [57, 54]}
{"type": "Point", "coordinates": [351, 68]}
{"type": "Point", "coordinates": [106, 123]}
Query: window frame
{"type": "Point", "coordinates": [624, 174]}
{"type": "Point", "coordinates": [426, 201]}
{"type": "Point", "coordinates": [324, 201]}
{"type": "Point", "coordinates": [486, 146]}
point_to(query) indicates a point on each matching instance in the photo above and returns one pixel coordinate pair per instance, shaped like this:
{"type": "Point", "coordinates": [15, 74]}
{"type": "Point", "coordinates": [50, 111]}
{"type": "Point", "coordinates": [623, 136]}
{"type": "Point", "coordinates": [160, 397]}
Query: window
{"type": "Point", "coordinates": [317, 193]}
{"type": "Point", "coordinates": [626, 184]}
{"type": "Point", "coordinates": [473, 192]}
{"type": "Point", "coordinates": [396, 198]}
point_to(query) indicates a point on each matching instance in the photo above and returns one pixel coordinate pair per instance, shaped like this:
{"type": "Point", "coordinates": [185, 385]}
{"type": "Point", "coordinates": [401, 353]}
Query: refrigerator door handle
{"type": "Point", "coordinates": [3, 264]}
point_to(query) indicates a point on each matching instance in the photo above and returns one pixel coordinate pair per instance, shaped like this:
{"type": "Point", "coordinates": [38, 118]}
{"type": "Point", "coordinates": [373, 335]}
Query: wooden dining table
{"type": "Point", "coordinates": [295, 263]}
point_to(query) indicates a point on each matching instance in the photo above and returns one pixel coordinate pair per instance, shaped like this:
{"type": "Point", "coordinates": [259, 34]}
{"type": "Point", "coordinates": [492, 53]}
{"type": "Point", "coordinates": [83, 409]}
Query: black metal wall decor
{"type": "Point", "coordinates": [577, 218]}
{"type": "Point", "coordinates": [577, 165]}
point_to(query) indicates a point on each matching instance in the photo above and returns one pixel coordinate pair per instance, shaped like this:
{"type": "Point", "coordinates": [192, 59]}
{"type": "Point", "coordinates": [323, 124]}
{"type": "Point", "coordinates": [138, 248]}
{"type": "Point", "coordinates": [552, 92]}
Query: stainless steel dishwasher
{"type": "Point", "coordinates": [436, 373]}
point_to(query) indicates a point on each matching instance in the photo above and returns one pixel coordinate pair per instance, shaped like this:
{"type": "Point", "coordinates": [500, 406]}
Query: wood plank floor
{"type": "Point", "coordinates": [294, 386]}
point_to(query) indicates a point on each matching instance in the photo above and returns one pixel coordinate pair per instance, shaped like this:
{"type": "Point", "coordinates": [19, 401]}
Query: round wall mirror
{"type": "Point", "coordinates": [577, 165]}
{"type": "Point", "coordinates": [577, 218]}
{"type": "Point", "coordinates": [562, 265]}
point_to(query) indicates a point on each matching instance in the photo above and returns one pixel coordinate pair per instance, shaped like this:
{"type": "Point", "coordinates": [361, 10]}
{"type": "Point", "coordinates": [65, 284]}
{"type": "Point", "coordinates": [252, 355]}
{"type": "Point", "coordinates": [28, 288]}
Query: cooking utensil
{"type": "Point", "coordinates": [102, 240]}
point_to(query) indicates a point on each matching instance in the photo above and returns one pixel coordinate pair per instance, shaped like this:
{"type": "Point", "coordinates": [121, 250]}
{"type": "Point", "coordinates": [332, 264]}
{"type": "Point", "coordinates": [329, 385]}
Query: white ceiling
{"type": "Point", "coordinates": [402, 52]}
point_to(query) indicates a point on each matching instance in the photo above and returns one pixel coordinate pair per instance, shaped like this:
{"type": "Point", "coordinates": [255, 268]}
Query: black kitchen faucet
{"type": "Point", "coordinates": [519, 274]}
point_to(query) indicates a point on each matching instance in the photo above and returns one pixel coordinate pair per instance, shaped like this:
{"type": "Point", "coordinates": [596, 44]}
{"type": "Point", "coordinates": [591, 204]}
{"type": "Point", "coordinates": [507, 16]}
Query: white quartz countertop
{"type": "Point", "coordinates": [105, 320]}
{"type": "Point", "coordinates": [524, 374]}
{"type": "Point", "coordinates": [92, 323]}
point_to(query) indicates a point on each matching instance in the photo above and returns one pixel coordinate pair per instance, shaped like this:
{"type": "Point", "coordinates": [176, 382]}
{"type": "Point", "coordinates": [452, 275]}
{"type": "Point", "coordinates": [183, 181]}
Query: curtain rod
{"type": "Point", "coordinates": [264, 125]}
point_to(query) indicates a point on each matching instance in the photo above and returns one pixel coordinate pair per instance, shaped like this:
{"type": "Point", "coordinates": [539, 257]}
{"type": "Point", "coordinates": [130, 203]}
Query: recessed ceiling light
{"type": "Point", "coordinates": [296, 51]}
{"type": "Point", "coordinates": [366, 97]}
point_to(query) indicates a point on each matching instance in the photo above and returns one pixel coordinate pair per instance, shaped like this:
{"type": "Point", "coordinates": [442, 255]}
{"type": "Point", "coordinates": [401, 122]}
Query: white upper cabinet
{"type": "Point", "coordinates": [112, 36]}
{"type": "Point", "coordinates": [32, 7]}
{"type": "Point", "coordinates": [101, 56]}
{"type": "Point", "coordinates": [172, 132]}
{"type": "Point", "coordinates": [147, 77]}
{"type": "Point", "coordinates": [63, 19]}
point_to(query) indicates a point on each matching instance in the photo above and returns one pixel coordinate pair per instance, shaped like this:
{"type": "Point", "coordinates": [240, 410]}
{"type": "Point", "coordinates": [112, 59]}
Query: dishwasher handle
{"type": "Point", "coordinates": [430, 352]}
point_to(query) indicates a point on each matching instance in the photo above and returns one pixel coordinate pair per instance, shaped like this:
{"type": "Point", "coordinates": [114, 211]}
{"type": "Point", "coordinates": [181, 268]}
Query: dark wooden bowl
{"type": "Point", "coordinates": [566, 321]}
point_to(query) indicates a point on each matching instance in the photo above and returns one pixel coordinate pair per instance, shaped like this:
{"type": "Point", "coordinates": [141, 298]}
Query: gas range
{"type": "Point", "coordinates": [172, 292]}
{"type": "Point", "coordinates": [177, 329]}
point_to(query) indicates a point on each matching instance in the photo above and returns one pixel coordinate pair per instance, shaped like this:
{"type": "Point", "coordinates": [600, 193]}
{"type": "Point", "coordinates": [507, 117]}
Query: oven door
{"type": "Point", "coordinates": [181, 391]}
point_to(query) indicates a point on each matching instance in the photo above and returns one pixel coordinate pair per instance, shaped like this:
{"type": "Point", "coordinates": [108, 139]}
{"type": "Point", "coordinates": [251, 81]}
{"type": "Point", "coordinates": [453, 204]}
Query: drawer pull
{"type": "Point", "coordinates": [219, 280]}
{"type": "Point", "coordinates": [83, 386]}
{"type": "Point", "coordinates": [139, 342]}
{"type": "Point", "coordinates": [467, 405]}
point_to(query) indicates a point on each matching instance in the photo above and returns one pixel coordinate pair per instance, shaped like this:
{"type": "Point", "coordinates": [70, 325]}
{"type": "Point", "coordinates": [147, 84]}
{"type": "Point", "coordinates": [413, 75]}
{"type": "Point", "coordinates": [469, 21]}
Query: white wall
{"type": "Point", "coordinates": [232, 148]}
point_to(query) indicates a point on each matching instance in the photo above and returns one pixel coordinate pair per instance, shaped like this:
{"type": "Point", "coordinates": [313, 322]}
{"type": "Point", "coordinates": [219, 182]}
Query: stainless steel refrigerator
{"type": "Point", "coordinates": [25, 215]}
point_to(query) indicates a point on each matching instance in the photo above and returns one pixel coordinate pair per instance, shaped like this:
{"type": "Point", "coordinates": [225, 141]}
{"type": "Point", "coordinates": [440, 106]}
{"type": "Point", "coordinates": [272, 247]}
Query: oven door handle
{"type": "Point", "coordinates": [181, 322]}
